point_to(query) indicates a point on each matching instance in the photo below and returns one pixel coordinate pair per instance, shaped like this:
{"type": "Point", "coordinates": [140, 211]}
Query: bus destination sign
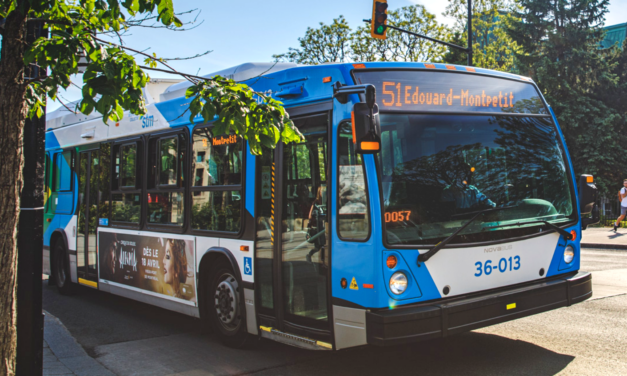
{"type": "Point", "coordinates": [395, 94]}
{"type": "Point", "coordinates": [421, 91]}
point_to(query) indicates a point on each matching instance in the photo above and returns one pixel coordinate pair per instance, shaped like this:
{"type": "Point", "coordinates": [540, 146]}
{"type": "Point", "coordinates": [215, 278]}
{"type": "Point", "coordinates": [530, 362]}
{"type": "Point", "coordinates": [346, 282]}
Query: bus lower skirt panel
{"type": "Point", "coordinates": [436, 320]}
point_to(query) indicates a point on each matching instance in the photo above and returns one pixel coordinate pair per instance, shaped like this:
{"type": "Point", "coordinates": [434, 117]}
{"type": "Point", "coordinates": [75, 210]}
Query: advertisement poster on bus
{"type": "Point", "coordinates": [162, 265]}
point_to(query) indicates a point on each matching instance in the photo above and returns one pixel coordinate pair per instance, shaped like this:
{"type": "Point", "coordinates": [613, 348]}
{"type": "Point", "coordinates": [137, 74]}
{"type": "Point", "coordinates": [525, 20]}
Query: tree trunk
{"type": "Point", "coordinates": [12, 117]}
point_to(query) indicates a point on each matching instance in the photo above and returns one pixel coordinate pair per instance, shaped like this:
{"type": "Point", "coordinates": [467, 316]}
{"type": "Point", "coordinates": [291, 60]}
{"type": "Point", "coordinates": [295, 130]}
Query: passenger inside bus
{"type": "Point", "coordinates": [462, 195]}
{"type": "Point", "coordinates": [317, 217]}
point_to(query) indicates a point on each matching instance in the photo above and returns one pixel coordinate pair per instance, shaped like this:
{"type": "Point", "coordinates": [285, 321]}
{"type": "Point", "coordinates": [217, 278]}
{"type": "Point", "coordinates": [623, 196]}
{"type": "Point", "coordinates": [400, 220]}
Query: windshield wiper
{"type": "Point", "coordinates": [567, 235]}
{"type": "Point", "coordinates": [430, 253]}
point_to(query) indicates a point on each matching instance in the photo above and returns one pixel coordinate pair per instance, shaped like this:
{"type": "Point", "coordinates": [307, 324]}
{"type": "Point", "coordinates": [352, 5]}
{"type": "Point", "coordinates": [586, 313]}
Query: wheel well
{"type": "Point", "coordinates": [207, 260]}
{"type": "Point", "coordinates": [211, 258]}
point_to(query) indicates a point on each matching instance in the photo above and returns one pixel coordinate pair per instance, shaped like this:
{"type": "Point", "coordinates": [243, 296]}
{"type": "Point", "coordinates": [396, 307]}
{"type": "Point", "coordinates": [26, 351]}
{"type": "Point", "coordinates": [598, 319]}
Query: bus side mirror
{"type": "Point", "coordinates": [366, 127]}
{"type": "Point", "coordinates": [587, 200]}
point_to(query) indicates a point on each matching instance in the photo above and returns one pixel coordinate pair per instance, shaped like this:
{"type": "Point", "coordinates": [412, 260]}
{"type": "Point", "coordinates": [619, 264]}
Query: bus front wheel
{"type": "Point", "coordinates": [62, 269]}
{"type": "Point", "coordinates": [224, 305]}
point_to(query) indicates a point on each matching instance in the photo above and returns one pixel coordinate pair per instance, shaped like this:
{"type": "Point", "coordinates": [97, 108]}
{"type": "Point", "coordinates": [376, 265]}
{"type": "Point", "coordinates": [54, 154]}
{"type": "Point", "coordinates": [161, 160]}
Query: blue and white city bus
{"type": "Point", "coordinates": [425, 200]}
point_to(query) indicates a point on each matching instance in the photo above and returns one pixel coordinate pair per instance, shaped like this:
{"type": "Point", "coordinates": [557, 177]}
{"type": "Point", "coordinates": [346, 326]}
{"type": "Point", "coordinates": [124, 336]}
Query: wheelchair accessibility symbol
{"type": "Point", "coordinates": [248, 266]}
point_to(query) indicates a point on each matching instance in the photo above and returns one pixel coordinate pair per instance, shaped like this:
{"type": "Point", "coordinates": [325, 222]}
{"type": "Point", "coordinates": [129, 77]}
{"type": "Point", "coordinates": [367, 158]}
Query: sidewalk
{"type": "Point", "coordinates": [604, 237]}
{"type": "Point", "coordinates": [64, 356]}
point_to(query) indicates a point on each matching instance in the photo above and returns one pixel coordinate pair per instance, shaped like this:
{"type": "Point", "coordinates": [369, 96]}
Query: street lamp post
{"type": "Point", "coordinates": [30, 319]}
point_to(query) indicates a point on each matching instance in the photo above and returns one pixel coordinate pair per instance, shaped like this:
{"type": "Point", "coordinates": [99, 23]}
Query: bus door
{"type": "Point", "coordinates": [292, 244]}
{"type": "Point", "coordinates": [93, 187]}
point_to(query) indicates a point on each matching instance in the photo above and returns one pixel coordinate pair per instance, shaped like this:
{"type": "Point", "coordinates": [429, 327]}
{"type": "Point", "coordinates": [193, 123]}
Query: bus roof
{"type": "Point", "coordinates": [290, 83]}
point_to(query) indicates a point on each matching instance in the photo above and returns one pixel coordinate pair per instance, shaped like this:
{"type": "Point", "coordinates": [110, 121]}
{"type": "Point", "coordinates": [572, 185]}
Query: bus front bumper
{"type": "Point", "coordinates": [440, 319]}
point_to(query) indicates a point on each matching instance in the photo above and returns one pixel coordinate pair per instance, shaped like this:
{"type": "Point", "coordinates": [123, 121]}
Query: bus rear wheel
{"type": "Point", "coordinates": [224, 305]}
{"type": "Point", "coordinates": [62, 269]}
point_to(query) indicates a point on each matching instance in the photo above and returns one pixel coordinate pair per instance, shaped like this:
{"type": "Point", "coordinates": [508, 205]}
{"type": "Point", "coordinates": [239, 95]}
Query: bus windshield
{"type": "Point", "coordinates": [439, 170]}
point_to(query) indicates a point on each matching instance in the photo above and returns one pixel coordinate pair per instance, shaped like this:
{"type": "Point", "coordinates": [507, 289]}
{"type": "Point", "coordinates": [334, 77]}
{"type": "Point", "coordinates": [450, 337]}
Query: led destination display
{"type": "Point", "coordinates": [441, 91]}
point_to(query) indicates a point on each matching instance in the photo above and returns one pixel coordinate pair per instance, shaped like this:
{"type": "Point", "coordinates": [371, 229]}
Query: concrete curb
{"type": "Point", "coordinates": [603, 246]}
{"type": "Point", "coordinates": [64, 356]}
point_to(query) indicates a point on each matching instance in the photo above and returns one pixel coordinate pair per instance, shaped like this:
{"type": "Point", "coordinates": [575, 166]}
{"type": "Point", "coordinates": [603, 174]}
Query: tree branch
{"type": "Point", "coordinates": [64, 105]}
{"type": "Point", "coordinates": [177, 73]}
{"type": "Point", "coordinates": [187, 58]}
{"type": "Point", "coordinates": [49, 21]}
{"type": "Point", "coordinates": [148, 56]}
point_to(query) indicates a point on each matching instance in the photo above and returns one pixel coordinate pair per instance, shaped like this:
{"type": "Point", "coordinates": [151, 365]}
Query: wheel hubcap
{"type": "Point", "coordinates": [226, 301]}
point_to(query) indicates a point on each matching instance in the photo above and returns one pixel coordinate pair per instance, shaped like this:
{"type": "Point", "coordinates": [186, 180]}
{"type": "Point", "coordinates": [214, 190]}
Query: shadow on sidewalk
{"type": "Point", "coordinates": [132, 338]}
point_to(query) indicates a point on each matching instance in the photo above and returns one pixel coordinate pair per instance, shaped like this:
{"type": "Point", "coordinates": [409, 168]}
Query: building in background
{"type": "Point", "coordinates": [614, 34]}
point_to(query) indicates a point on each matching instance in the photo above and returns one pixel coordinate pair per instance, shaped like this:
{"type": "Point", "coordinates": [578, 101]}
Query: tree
{"type": "Point", "coordinates": [399, 46]}
{"type": "Point", "coordinates": [560, 41]}
{"type": "Point", "coordinates": [337, 43]}
{"type": "Point", "coordinates": [327, 44]}
{"type": "Point", "coordinates": [454, 55]}
{"type": "Point", "coordinates": [493, 48]}
{"type": "Point", "coordinates": [113, 83]}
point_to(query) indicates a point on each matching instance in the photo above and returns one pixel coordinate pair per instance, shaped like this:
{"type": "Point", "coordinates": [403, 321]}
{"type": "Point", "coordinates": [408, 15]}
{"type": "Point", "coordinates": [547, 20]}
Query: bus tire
{"type": "Point", "coordinates": [224, 305]}
{"type": "Point", "coordinates": [61, 269]}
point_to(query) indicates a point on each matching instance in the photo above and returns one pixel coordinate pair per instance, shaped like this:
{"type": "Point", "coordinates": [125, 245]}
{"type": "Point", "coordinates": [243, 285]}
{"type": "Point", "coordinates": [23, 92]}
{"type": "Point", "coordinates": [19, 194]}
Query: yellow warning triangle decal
{"type": "Point", "coordinates": [353, 285]}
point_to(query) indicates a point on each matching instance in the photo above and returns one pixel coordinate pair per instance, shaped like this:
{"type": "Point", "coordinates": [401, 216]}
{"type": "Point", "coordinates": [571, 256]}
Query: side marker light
{"type": "Point", "coordinates": [511, 306]}
{"type": "Point", "coordinates": [326, 80]}
{"type": "Point", "coordinates": [243, 248]}
{"type": "Point", "coordinates": [391, 261]}
{"type": "Point", "coordinates": [369, 145]}
{"type": "Point", "coordinates": [344, 283]}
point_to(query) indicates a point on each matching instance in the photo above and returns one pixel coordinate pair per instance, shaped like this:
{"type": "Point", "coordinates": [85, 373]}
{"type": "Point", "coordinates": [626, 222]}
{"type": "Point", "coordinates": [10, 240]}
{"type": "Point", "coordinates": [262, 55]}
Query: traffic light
{"type": "Point", "coordinates": [379, 19]}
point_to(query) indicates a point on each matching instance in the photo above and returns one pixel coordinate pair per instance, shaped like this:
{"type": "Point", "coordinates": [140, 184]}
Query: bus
{"type": "Point", "coordinates": [424, 200]}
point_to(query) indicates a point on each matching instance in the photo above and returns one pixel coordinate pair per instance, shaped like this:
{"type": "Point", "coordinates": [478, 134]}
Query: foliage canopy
{"type": "Point", "coordinates": [337, 42]}
{"type": "Point", "coordinates": [493, 47]}
{"type": "Point", "coordinates": [560, 42]}
{"type": "Point", "coordinates": [114, 79]}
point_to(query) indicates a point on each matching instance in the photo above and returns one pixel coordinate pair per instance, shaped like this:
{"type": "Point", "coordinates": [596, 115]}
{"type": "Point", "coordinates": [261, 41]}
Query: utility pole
{"type": "Point", "coordinates": [30, 319]}
{"type": "Point", "coordinates": [469, 51]}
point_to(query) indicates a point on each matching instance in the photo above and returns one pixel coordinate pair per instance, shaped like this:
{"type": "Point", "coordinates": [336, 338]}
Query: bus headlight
{"type": "Point", "coordinates": [569, 254]}
{"type": "Point", "coordinates": [398, 283]}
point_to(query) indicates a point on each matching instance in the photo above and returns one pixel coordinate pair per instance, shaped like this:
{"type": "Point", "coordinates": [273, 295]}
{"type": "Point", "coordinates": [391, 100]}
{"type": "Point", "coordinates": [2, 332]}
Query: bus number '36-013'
{"type": "Point", "coordinates": [487, 267]}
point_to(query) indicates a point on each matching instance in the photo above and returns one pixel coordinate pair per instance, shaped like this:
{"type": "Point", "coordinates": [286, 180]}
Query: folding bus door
{"type": "Point", "coordinates": [93, 172]}
{"type": "Point", "coordinates": [292, 233]}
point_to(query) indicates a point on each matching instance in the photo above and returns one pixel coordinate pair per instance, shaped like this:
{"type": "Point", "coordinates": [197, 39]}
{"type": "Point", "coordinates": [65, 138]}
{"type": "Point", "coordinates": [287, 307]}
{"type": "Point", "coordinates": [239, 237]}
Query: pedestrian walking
{"type": "Point", "coordinates": [622, 194]}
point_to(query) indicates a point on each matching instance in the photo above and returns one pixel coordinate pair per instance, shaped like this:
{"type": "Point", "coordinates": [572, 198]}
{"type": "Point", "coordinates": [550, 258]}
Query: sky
{"type": "Point", "coordinates": [240, 31]}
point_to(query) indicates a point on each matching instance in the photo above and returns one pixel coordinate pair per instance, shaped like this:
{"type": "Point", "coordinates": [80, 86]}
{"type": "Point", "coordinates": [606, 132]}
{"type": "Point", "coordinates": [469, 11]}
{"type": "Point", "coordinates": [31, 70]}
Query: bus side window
{"type": "Point", "coordinates": [166, 190]}
{"type": "Point", "coordinates": [217, 189]}
{"type": "Point", "coordinates": [61, 195]}
{"type": "Point", "coordinates": [104, 184]}
{"type": "Point", "coordinates": [63, 172]}
{"type": "Point", "coordinates": [353, 214]}
{"type": "Point", "coordinates": [125, 187]}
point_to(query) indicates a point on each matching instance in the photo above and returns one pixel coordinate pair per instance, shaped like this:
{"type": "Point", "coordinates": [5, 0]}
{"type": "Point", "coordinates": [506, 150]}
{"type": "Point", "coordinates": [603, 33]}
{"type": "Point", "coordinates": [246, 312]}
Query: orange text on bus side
{"type": "Point", "coordinates": [230, 140]}
{"type": "Point", "coordinates": [396, 95]}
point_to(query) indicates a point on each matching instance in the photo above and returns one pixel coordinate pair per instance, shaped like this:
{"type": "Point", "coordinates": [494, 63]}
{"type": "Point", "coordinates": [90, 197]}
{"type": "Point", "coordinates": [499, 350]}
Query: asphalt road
{"type": "Point", "coordinates": [131, 338]}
